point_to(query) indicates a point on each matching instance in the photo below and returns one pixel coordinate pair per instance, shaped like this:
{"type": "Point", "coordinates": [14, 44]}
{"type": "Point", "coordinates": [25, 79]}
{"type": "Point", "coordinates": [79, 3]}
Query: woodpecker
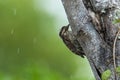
{"type": "Point", "coordinates": [70, 41]}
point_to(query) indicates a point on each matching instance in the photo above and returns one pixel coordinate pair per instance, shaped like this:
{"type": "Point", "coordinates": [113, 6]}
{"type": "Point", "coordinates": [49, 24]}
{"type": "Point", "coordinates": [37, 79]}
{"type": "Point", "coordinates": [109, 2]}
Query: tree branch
{"type": "Point", "coordinates": [97, 49]}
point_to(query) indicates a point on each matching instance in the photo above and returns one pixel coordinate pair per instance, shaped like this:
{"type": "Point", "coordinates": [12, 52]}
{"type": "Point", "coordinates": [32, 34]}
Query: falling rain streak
{"type": "Point", "coordinates": [14, 11]}
{"type": "Point", "coordinates": [12, 31]}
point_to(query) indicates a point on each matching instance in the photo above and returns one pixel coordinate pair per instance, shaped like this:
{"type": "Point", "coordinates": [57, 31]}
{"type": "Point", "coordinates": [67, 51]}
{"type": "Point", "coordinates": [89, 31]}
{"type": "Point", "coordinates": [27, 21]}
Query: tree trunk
{"type": "Point", "coordinates": [92, 25]}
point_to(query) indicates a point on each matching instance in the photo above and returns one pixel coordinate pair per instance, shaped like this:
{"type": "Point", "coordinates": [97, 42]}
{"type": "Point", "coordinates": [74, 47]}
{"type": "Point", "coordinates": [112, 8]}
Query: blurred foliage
{"type": "Point", "coordinates": [30, 48]}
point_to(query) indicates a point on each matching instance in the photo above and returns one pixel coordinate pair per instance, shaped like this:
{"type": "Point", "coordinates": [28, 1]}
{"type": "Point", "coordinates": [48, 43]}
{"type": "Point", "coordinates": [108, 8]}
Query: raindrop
{"type": "Point", "coordinates": [12, 31]}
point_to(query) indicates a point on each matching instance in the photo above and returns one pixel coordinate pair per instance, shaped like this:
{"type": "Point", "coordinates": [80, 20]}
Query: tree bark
{"type": "Point", "coordinates": [96, 37]}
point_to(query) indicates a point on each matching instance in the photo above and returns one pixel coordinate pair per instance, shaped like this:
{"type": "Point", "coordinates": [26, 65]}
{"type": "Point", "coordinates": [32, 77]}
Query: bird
{"type": "Point", "coordinates": [70, 41]}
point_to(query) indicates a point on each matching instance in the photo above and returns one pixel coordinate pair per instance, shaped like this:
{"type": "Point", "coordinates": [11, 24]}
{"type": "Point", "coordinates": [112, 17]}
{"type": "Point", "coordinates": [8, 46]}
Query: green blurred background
{"type": "Point", "coordinates": [30, 48]}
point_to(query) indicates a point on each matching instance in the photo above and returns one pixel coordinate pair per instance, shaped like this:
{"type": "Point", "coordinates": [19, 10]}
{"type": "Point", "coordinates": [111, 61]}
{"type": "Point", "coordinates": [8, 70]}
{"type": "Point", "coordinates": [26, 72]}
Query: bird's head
{"type": "Point", "coordinates": [63, 30]}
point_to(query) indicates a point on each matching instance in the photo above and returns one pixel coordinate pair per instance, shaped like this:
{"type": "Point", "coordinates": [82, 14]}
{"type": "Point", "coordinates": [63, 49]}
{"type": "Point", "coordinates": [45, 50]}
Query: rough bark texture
{"type": "Point", "coordinates": [95, 33]}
